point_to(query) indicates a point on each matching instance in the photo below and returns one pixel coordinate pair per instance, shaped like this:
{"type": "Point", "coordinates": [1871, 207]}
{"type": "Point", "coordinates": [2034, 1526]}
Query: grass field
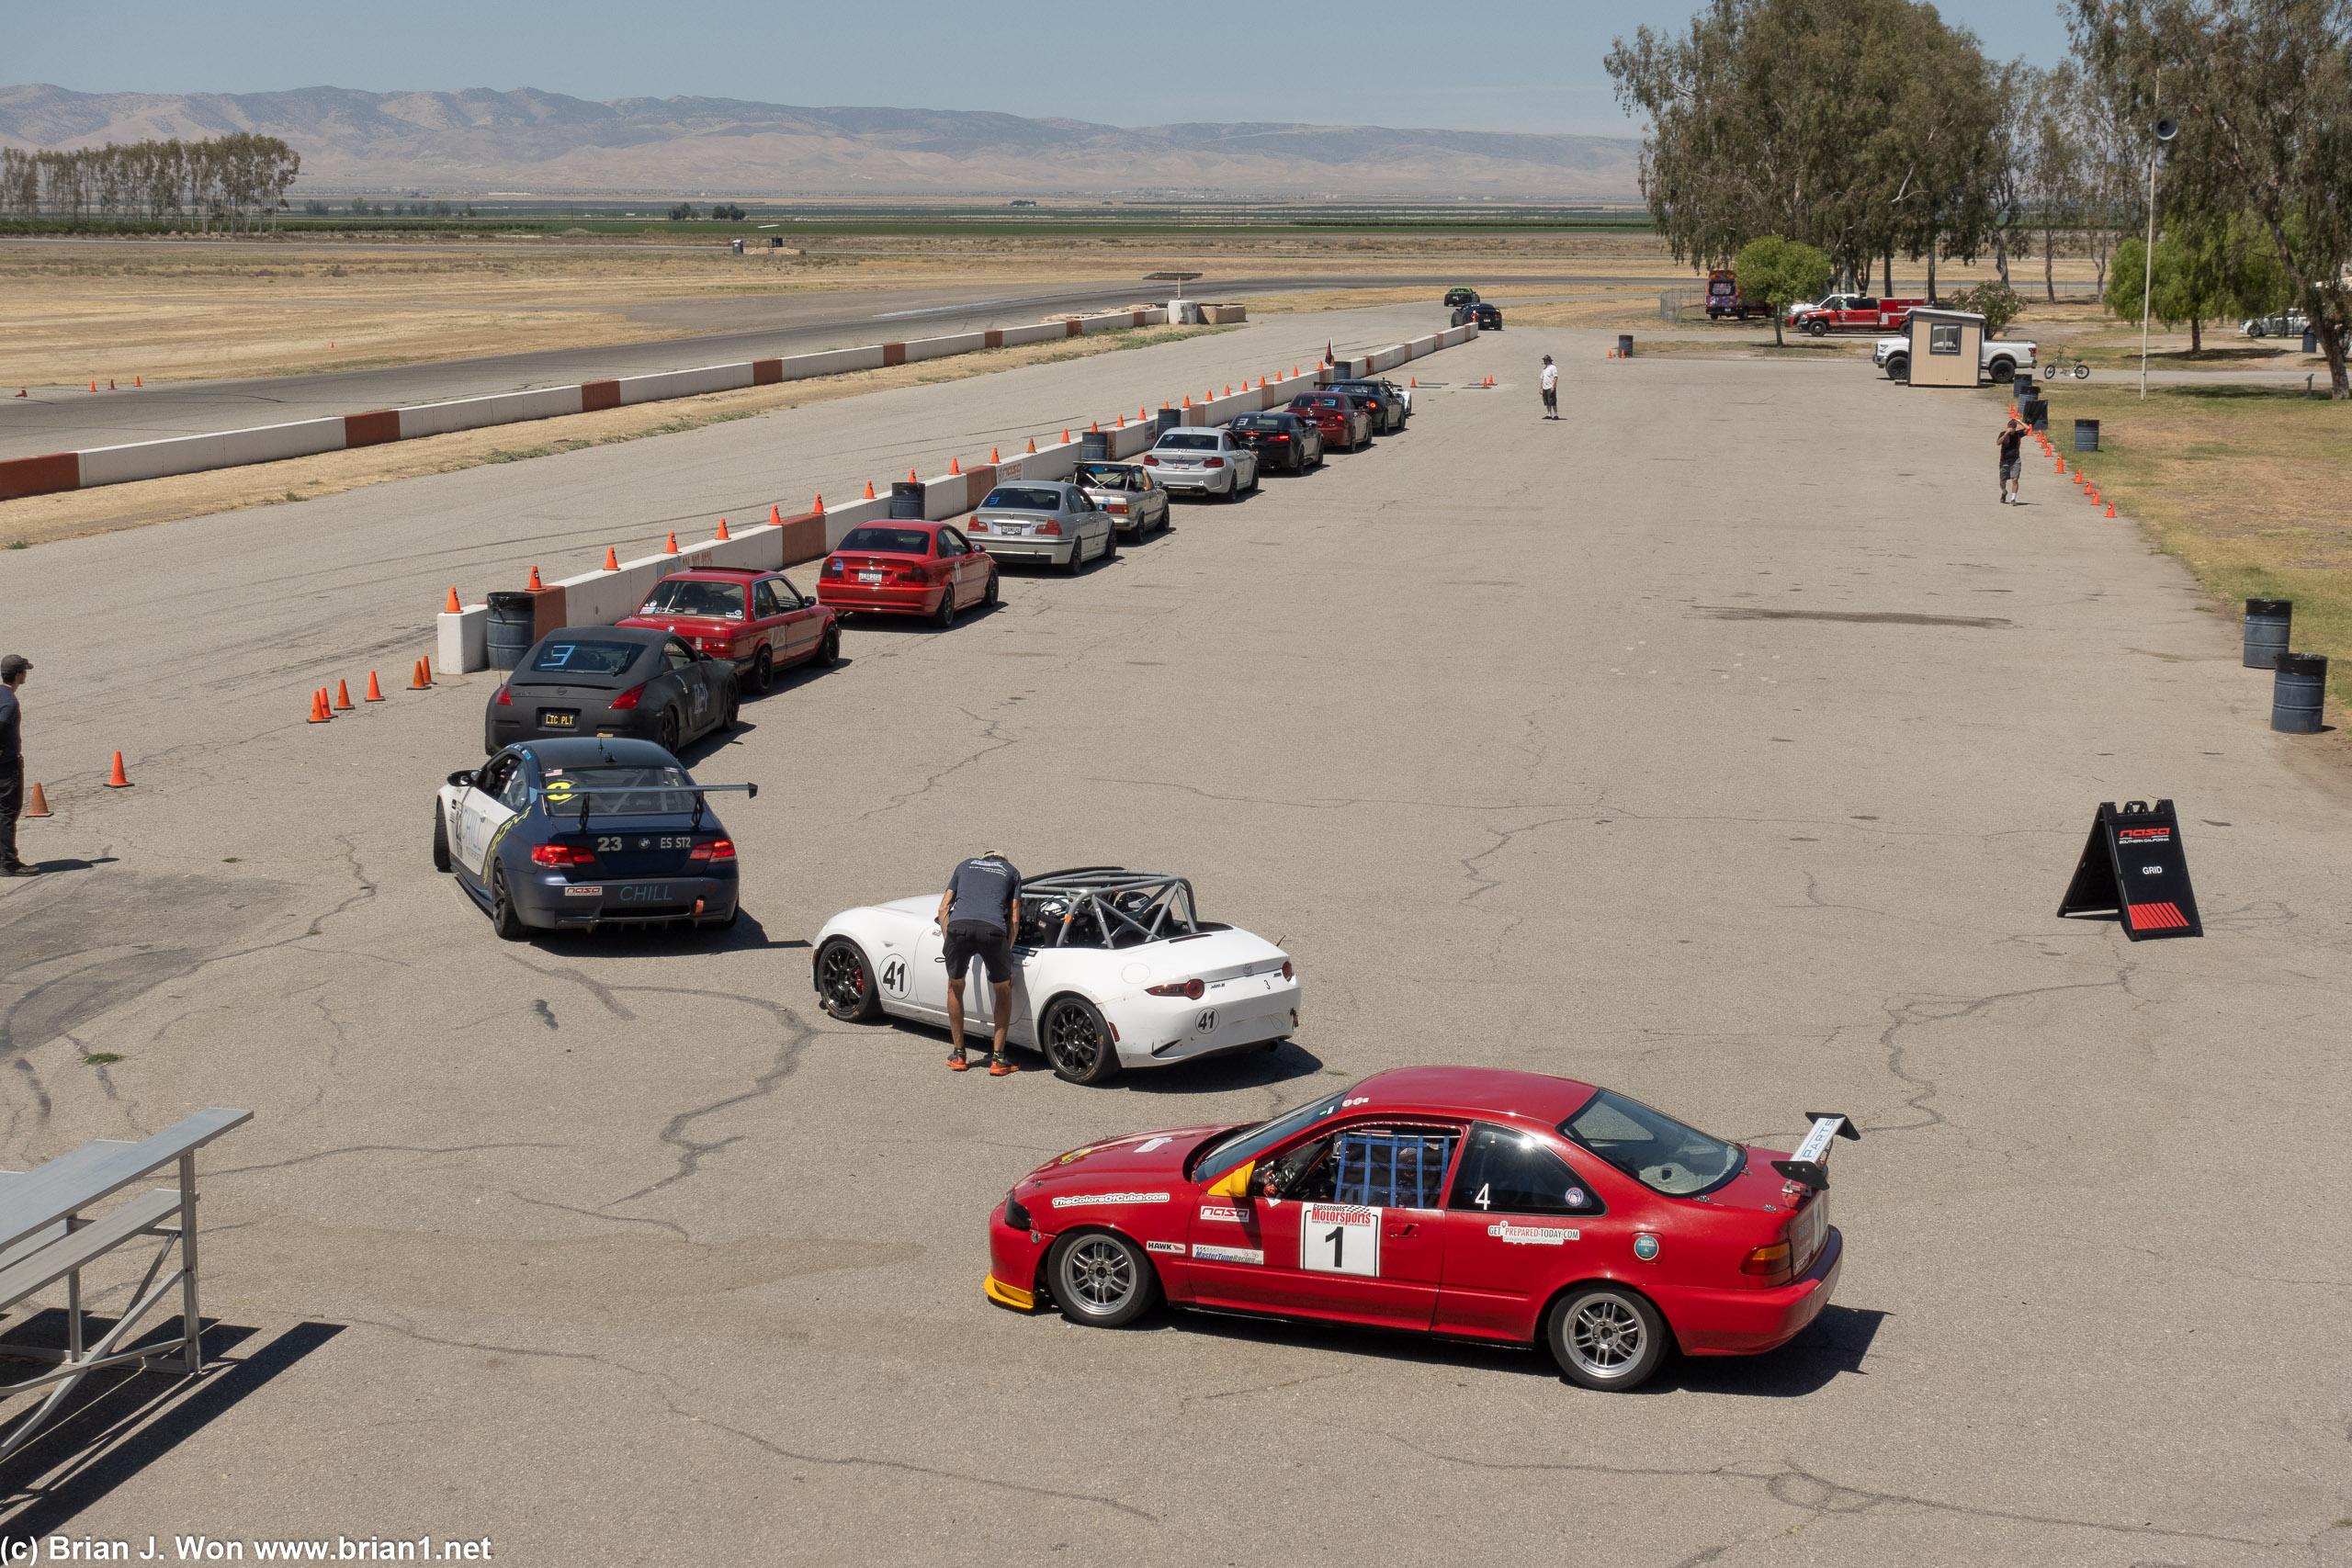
{"type": "Point", "coordinates": [2250, 487]}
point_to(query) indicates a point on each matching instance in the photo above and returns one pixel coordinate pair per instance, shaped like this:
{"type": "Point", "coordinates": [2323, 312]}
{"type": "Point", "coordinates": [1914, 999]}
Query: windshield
{"type": "Point", "coordinates": [1105, 476]}
{"type": "Point", "coordinates": [1251, 1142]}
{"type": "Point", "coordinates": [587, 657]}
{"type": "Point", "coordinates": [1655, 1150]}
{"type": "Point", "coordinates": [687, 596]}
{"type": "Point", "coordinates": [887, 541]}
{"type": "Point", "coordinates": [1027, 497]}
{"type": "Point", "coordinates": [1261, 422]}
{"type": "Point", "coordinates": [643, 795]}
{"type": "Point", "coordinates": [1174, 442]}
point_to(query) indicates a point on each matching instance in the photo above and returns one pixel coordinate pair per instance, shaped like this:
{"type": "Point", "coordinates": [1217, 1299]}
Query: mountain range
{"type": "Point", "coordinates": [479, 141]}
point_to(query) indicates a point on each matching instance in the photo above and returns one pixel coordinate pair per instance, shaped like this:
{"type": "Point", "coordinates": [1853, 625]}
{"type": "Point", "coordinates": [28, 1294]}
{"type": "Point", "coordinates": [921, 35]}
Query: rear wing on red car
{"type": "Point", "coordinates": [1809, 1167]}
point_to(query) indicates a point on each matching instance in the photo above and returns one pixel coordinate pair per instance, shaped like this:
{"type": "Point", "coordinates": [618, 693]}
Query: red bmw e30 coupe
{"type": "Point", "coordinates": [1463, 1201]}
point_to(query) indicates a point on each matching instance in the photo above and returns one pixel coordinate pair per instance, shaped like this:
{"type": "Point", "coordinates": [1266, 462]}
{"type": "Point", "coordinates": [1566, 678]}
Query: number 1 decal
{"type": "Point", "coordinates": [1338, 1238]}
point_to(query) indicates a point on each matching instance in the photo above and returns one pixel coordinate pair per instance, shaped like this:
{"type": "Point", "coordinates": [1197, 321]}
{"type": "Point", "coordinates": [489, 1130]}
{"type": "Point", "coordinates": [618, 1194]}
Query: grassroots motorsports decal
{"type": "Point", "coordinates": [1227, 1254]}
{"type": "Point", "coordinates": [1089, 1200]}
{"type": "Point", "coordinates": [1531, 1235]}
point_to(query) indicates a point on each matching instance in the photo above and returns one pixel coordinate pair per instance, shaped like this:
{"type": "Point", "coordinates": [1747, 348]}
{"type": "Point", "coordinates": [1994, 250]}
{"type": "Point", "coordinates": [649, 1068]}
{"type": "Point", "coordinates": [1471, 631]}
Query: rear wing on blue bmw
{"type": "Point", "coordinates": [1809, 1167]}
{"type": "Point", "coordinates": [562, 792]}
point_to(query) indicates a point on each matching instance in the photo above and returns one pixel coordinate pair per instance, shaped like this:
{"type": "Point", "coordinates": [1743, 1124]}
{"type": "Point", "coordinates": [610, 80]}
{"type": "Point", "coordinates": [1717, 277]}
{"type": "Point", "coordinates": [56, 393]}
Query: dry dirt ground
{"type": "Point", "coordinates": [179, 309]}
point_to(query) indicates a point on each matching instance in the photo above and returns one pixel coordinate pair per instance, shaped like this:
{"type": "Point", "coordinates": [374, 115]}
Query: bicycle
{"type": "Point", "coordinates": [2056, 366]}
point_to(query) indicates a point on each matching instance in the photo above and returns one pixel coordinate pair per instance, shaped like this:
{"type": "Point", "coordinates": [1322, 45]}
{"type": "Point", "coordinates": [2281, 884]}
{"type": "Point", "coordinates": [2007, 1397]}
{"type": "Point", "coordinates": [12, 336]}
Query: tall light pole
{"type": "Point", "coordinates": [2165, 131]}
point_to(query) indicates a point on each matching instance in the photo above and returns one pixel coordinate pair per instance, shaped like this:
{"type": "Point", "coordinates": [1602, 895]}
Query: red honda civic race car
{"type": "Point", "coordinates": [1468, 1202]}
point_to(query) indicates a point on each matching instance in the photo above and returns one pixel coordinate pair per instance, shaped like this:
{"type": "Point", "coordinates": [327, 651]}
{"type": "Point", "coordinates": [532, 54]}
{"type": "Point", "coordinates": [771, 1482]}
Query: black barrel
{"type": "Point", "coordinates": [2087, 436]}
{"type": "Point", "coordinates": [2035, 412]}
{"type": "Point", "coordinates": [1624, 345]}
{"type": "Point", "coordinates": [906, 500]}
{"type": "Point", "coordinates": [2311, 341]}
{"type": "Point", "coordinates": [1169, 419]}
{"type": "Point", "coordinates": [2297, 692]}
{"type": "Point", "coordinates": [508, 636]}
{"type": "Point", "coordinates": [2267, 622]}
{"type": "Point", "coordinates": [2022, 389]}
{"type": "Point", "coordinates": [1094, 446]}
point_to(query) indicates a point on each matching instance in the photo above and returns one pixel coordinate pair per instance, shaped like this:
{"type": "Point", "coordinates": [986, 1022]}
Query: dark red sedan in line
{"type": "Point", "coordinates": [1468, 1202]}
{"type": "Point", "coordinates": [906, 569]}
{"type": "Point", "coordinates": [1343, 421]}
{"type": "Point", "coordinates": [756, 617]}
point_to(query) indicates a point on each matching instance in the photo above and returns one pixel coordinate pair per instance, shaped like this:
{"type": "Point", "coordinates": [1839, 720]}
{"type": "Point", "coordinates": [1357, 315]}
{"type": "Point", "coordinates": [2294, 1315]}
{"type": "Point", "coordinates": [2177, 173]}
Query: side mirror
{"type": "Point", "coordinates": [754, 792]}
{"type": "Point", "coordinates": [1235, 1183]}
{"type": "Point", "coordinates": [462, 777]}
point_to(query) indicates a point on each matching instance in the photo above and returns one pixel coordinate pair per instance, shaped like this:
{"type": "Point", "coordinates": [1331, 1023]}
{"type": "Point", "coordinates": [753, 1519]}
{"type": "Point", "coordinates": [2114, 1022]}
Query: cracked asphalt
{"type": "Point", "coordinates": [1692, 745]}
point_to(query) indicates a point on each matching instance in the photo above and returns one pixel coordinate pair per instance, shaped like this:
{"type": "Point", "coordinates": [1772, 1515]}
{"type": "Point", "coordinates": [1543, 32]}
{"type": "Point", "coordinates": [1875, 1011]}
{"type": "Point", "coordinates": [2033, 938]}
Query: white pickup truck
{"type": "Point", "coordinates": [1999, 359]}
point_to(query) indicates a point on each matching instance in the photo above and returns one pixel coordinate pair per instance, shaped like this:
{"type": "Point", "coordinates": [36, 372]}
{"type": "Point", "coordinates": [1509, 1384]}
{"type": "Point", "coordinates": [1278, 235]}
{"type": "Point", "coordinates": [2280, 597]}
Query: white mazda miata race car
{"type": "Point", "coordinates": [1111, 969]}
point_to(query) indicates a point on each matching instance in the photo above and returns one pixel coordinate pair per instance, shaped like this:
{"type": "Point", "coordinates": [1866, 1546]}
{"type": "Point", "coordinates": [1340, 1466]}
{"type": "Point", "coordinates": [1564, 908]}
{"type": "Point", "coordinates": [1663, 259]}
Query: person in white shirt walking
{"type": "Point", "coordinates": [1551, 383]}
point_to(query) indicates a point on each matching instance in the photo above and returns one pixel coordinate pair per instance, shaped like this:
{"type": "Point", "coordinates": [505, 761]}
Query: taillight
{"type": "Point", "coordinates": [717, 644]}
{"type": "Point", "coordinates": [978, 528]}
{"type": "Point", "coordinates": [717, 848]}
{"type": "Point", "coordinates": [503, 700]}
{"type": "Point", "coordinates": [562, 854]}
{"type": "Point", "coordinates": [1768, 1261]}
{"type": "Point", "coordinates": [1191, 988]}
{"type": "Point", "coordinates": [1149, 461]}
{"type": "Point", "coordinates": [1053, 528]}
{"type": "Point", "coordinates": [628, 699]}
{"type": "Point", "coordinates": [1214, 463]}
{"type": "Point", "coordinates": [1287, 969]}
{"type": "Point", "coordinates": [1114, 507]}
{"type": "Point", "coordinates": [1277, 437]}
{"type": "Point", "coordinates": [912, 575]}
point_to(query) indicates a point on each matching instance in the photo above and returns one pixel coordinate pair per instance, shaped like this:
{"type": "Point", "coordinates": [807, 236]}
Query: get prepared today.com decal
{"type": "Point", "coordinates": [207, 1549]}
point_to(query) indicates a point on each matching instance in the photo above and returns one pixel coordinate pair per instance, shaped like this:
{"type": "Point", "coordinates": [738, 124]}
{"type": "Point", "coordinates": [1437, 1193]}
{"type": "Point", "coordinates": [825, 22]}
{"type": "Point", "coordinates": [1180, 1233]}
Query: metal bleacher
{"type": "Point", "coordinates": [46, 1237]}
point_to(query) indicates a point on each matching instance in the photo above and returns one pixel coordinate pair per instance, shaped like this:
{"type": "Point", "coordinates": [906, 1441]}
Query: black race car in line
{"type": "Point", "coordinates": [1281, 440]}
{"type": "Point", "coordinates": [595, 832]}
{"type": "Point", "coordinates": [1395, 408]}
{"type": "Point", "coordinates": [642, 682]}
{"type": "Point", "coordinates": [1489, 317]}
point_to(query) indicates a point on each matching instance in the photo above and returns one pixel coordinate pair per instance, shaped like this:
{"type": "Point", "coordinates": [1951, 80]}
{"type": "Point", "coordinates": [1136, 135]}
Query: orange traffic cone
{"type": "Point", "coordinates": [612, 561]}
{"type": "Point", "coordinates": [535, 585]}
{"type": "Point", "coordinates": [1412, 381]}
{"type": "Point", "coordinates": [2110, 511]}
{"type": "Point", "coordinates": [993, 458]}
{"type": "Point", "coordinates": [93, 386]}
{"type": "Point", "coordinates": [910, 477]}
{"type": "Point", "coordinates": [722, 529]}
{"type": "Point", "coordinates": [451, 608]}
{"type": "Point", "coordinates": [319, 713]}
{"type": "Point", "coordinates": [869, 490]}
{"type": "Point", "coordinates": [1091, 429]}
{"type": "Point", "coordinates": [1188, 400]}
{"type": "Point", "coordinates": [138, 380]}
{"type": "Point", "coordinates": [343, 696]}
{"type": "Point", "coordinates": [1032, 443]}
{"type": "Point", "coordinates": [954, 467]}
{"type": "Point", "coordinates": [1123, 422]}
{"type": "Point", "coordinates": [423, 680]}
{"type": "Point", "coordinates": [375, 692]}
{"type": "Point", "coordinates": [816, 502]}
{"type": "Point", "coordinates": [38, 805]}
{"type": "Point", "coordinates": [118, 779]}
{"type": "Point", "coordinates": [670, 547]}
{"type": "Point", "coordinates": [775, 514]}
{"type": "Point", "coordinates": [1229, 388]}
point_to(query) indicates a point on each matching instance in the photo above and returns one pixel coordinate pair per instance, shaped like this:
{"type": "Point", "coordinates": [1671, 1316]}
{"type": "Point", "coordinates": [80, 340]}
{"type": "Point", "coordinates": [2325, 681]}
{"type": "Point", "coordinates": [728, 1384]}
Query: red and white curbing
{"type": "Point", "coordinates": [305, 438]}
{"type": "Point", "coordinates": [602, 597]}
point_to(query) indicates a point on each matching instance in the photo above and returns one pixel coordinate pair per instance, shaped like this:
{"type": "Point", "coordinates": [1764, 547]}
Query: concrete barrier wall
{"type": "Point", "coordinates": [39, 475]}
{"type": "Point", "coordinates": [474, 414]}
{"type": "Point", "coordinates": [938, 347]}
{"type": "Point", "coordinates": [224, 449]}
{"type": "Point", "coordinates": [839, 520]}
{"type": "Point", "coordinates": [832, 361]}
{"type": "Point", "coordinates": [685, 383]}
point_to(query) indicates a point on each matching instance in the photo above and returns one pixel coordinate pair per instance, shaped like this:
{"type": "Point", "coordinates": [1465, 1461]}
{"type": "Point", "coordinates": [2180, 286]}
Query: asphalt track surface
{"type": "Point", "coordinates": [757, 326]}
{"type": "Point", "coordinates": [1690, 744]}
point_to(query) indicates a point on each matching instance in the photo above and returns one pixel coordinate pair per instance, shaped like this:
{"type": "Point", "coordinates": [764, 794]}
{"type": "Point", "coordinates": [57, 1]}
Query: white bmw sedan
{"type": "Point", "coordinates": [1205, 462]}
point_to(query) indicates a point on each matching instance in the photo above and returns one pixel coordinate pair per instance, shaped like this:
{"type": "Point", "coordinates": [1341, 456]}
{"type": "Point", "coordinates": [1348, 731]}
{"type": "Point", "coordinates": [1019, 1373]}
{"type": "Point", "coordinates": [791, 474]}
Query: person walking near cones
{"type": "Point", "coordinates": [1550, 381]}
{"type": "Point", "coordinates": [2012, 436]}
{"type": "Point", "coordinates": [978, 915]}
{"type": "Point", "coordinates": [13, 671]}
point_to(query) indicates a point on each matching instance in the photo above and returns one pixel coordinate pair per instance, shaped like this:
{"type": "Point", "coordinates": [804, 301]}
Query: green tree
{"type": "Point", "coordinates": [681, 212]}
{"type": "Point", "coordinates": [1995, 301]}
{"type": "Point", "coordinates": [1780, 273]}
{"type": "Point", "coordinates": [2263, 92]}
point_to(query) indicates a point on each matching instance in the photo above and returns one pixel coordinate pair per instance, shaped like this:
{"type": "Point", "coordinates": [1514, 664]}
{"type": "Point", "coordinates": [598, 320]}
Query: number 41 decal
{"type": "Point", "coordinates": [1335, 1239]}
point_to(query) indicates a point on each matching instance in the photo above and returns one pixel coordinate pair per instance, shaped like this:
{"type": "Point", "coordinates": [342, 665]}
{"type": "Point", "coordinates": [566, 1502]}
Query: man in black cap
{"type": "Point", "coordinates": [978, 915]}
{"type": "Point", "coordinates": [13, 671]}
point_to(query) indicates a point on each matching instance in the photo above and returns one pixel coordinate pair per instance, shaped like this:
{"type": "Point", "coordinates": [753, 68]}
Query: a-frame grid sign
{"type": "Point", "coordinates": [2134, 867]}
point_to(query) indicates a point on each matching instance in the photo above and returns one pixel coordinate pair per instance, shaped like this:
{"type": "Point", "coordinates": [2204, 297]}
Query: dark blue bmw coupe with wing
{"type": "Point", "coordinates": [594, 831]}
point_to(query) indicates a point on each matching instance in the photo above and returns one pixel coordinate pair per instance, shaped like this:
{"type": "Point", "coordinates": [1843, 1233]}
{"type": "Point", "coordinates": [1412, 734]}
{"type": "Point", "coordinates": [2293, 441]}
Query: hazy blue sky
{"type": "Point", "coordinates": [1502, 65]}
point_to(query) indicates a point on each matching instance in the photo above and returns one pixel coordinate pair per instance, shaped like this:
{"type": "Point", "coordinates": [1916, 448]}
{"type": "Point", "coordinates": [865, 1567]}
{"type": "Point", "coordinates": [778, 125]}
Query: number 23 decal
{"type": "Point", "coordinates": [894, 976]}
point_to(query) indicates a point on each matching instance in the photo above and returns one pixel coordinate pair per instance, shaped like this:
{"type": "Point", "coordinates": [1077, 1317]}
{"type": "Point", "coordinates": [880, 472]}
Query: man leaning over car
{"type": "Point", "coordinates": [978, 915]}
